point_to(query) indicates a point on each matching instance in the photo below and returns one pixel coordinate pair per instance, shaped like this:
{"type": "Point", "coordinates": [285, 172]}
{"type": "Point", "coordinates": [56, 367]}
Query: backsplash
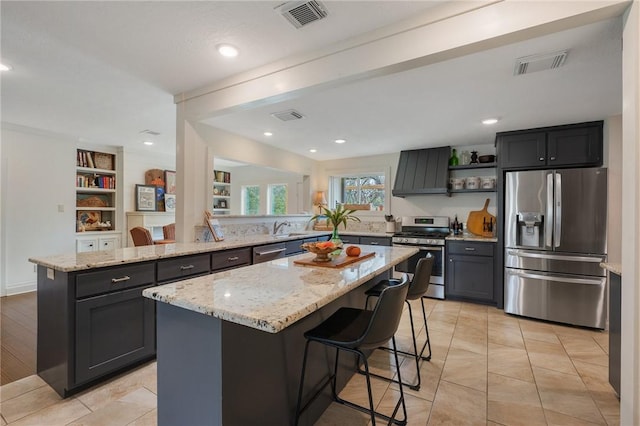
{"type": "Point", "coordinates": [237, 227]}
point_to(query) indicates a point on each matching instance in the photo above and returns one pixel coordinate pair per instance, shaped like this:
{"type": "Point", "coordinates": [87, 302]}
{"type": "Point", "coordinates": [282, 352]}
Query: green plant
{"type": "Point", "coordinates": [337, 216]}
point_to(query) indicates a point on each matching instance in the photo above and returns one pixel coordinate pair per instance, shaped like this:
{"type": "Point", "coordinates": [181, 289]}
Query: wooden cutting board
{"type": "Point", "coordinates": [477, 218]}
{"type": "Point", "coordinates": [337, 262]}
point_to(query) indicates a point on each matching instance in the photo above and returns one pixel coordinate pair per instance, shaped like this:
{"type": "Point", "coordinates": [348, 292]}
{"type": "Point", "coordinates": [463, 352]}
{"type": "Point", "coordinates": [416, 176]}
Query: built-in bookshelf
{"type": "Point", "coordinates": [221, 192]}
{"type": "Point", "coordinates": [96, 181]}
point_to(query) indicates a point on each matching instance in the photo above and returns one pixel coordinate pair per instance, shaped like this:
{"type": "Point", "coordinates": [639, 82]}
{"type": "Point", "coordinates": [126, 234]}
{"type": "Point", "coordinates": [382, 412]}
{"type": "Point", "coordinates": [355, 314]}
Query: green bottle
{"type": "Point", "coordinates": [453, 161]}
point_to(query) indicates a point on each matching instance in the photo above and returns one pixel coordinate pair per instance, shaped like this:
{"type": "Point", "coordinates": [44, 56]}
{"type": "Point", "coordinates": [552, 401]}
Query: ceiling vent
{"type": "Point", "coordinates": [288, 115]}
{"type": "Point", "coordinates": [149, 132]}
{"type": "Point", "coordinates": [301, 13]}
{"type": "Point", "coordinates": [534, 63]}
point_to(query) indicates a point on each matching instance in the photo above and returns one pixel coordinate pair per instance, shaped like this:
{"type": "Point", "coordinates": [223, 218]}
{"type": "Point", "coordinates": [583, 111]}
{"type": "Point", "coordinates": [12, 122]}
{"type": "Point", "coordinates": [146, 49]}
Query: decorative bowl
{"type": "Point", "coordinates": [487, 158]}
{"type": "Point", "coordinates": [321, 249]}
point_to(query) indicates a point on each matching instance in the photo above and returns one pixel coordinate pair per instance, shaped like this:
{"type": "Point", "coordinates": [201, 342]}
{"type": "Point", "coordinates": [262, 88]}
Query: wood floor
{"type": "Point", "coordinates": [18, 318]}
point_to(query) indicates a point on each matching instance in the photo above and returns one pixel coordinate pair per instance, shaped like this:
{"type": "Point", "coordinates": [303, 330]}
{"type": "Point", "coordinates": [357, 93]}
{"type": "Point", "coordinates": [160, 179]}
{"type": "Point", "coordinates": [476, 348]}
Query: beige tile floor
{"type": "Point", "coordinates": [488, 368]}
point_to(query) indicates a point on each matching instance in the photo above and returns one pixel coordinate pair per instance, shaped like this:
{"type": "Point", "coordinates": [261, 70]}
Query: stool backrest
{"type": "Point", "coordinates": [169, 231]}
{"type": "Point", "coordinates": [386, 315]}
{"type": "Point", "coordinates": [421, 277]}
{"type": "Point", "coordinates": [141, 236]}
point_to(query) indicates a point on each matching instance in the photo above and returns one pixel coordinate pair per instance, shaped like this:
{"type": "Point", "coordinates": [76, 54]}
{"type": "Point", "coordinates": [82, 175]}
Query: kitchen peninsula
{"type": "Point", "coordinates": [230, 344]}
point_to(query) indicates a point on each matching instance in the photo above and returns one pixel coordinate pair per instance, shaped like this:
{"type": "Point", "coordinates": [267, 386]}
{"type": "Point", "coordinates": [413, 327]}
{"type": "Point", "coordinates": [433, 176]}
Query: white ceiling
{"type": "Point", "coordinates": [102, 72]}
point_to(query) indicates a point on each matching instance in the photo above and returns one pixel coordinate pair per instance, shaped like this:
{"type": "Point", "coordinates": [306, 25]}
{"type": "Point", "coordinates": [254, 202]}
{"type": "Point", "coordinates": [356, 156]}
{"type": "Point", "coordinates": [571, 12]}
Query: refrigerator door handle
{"type": "Point", "coordinates": [557, 214]}
{"type": "Point", "coordinates": [548, 223]}
{"type": "Point", "coordinates": [521, 253]}
{"type": "Point", "coordinates": [555, 278]}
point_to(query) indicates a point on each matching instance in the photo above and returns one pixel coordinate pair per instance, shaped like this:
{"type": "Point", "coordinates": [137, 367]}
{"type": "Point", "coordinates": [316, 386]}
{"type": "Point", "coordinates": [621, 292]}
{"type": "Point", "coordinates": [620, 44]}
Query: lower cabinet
{"type": "Point", "coordinates": [95, 243]}
{"type": "Point", "coordinates": [112, 331]}
{"type": "Point", "coordinates": [470, 271]}
{"type": "Point", "coordinates": [229, 259]}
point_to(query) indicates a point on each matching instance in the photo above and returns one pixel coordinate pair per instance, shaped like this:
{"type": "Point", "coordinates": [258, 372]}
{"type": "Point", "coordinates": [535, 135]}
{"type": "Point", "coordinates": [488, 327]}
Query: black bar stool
{"type": "Point", "coordinates": [354, 330]}
{"type": "Point", "coordinates": [417, 289]}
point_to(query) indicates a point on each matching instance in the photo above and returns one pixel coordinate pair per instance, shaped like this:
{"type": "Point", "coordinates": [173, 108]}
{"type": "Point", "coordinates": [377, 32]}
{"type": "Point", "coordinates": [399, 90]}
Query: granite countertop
{"type": "Point", "coordinates": [70, 262]}
{"type": "Point", "coordinates": [616, 268]}
{"type": "Point", "coordinates": [271, 296]}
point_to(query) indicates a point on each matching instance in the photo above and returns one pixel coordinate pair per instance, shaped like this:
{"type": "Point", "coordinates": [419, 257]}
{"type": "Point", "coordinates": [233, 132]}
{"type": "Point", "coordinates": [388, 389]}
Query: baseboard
{"type": "Point", "coordinates": [20, 288]}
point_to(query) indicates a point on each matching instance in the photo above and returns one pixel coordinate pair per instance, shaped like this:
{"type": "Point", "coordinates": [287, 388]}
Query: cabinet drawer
{"type": "Point", "coordinates": [471, 248]}
{"type": "Point", "coordinates": [375, 241]}
{"type": "Point", "coordinates": [230, 258]}
{"type": "Point", "coordinates": [114, 279]}
{"type": "Point", "coordinates": [183, 267]}
{"type": "Point", "coordinates": [350, 239]}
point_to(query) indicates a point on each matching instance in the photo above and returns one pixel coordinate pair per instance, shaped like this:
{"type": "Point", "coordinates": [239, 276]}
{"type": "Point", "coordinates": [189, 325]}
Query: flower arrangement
{"type": "Point", "coordinates": [338, 216]}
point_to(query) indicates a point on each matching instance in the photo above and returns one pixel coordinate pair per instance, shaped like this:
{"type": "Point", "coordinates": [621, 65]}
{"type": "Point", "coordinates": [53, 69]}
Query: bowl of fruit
{"type": "Point", "coordinates": [321, 249]}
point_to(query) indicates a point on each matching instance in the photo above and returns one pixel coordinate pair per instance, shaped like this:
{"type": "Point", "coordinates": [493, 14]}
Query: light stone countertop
{"type": "Point", "coordinates": [271, 296]}
{"type": "Point", "coordinates": [70, 262]}
{"type": "Point", "coordinates": [616, 268]}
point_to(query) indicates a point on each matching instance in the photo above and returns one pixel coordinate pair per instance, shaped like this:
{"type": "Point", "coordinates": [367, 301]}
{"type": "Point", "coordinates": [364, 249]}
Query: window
{"type": "Point", "coordinates": [250, 199]}
{"type": "Point", "coordinates": [277, 199]}
{"type": "Point", "coordinates": [361, 188]}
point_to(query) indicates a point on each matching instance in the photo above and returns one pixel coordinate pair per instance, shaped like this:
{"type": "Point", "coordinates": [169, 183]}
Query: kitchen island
{"type": "Point", "coordinates": [230, 344]}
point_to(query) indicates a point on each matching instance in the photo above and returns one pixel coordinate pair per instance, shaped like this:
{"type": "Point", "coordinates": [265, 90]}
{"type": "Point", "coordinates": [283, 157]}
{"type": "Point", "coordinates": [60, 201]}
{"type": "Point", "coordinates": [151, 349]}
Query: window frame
{"type": "Point", "coordinates": [334, 186]}
{"type": "Point", "coordinates": [243, 199]}
{"type": "Point", "coordinates": [270, 200]}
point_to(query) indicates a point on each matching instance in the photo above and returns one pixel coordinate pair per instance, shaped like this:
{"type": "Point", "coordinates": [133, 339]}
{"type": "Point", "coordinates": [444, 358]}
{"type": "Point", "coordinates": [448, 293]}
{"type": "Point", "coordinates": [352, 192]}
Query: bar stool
{"type": "Point", "coordinates": [354, 330]}
{"type": "Point", "coordinates": [417, 289]}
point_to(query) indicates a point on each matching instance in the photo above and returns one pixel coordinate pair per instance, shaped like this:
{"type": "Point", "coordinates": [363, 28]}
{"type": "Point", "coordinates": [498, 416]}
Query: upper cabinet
{"type": "Point", "coordinates": [422, 171]}
{"type": "Point", "coordinates": [574, 145]}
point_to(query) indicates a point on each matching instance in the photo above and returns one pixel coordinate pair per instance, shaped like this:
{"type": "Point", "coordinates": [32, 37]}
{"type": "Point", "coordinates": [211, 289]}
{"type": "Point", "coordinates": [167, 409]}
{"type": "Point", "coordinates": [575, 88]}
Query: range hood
{"type": "Point", "coordinates": [422, 171]}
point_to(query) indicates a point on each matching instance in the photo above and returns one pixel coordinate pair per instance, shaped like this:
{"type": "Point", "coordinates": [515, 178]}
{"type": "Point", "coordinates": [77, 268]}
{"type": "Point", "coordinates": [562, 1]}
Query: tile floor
{"type": "Point", "coordinates": [488, 368]}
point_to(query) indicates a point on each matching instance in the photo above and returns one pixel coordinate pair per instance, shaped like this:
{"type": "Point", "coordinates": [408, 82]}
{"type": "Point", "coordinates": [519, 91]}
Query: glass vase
{"type": "Point", "coordinates": [335, 239]}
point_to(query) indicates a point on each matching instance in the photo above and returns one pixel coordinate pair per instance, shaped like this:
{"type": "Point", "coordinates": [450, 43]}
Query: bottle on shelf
{"type": "Point", "coordinates": [453, 160]}
{"type": "Point", "coordinates": [455, 226]}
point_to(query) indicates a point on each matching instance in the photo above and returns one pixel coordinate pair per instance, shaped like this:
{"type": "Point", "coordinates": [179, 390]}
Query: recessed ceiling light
{"type": "Point", "coordinates": [490, 121]}
{"type": "Point", "coordinates": [340, 140]}
{"type": "Point", "coordinates": [268, 134]}
{"type": "Point", "coordinates": [148, 142]}
{"type": "Point", "coordinates": [4, 67]}
{"type": "Point", "coordinates": [313, 150]}
{"type": "Point", "coordinates": [227, 50]}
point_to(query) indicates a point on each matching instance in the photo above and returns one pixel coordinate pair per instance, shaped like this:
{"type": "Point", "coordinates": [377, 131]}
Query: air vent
{"type": "Point", "coordinates": [149, 132]}
{"type": "Point", "coordinates": [534, 63]}
{"type": "Point", "coordinates": [288, 115]}
{"type": "Point", "coordinates": [301, 13]}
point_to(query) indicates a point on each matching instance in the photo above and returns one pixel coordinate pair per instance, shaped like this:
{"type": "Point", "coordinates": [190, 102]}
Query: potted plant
{"type": "Point", "coordinates": [338, 216]}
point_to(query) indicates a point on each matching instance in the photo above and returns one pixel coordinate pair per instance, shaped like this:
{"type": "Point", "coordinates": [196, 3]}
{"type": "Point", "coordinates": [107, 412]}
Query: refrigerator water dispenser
{"type": "Point", "coordinates": [529, 229]}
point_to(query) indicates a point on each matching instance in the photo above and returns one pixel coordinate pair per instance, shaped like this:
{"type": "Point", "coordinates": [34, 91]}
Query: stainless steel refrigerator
{"type": "Point", "coordinates": [555, 238]}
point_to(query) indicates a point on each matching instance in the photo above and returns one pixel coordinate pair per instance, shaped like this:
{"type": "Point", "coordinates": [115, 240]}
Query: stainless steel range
{"type": "Point", "coordinates": [427, 233]}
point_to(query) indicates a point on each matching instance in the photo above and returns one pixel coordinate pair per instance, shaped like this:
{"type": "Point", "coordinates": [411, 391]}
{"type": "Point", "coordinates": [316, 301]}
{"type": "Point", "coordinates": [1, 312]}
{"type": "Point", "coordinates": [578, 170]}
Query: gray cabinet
{"type": "Point", "coordinates": [229, 259]}
{"type": "Point", "coordinates": [183, 267]}
{"type": "Point", "coordinates": [268, 252]}
{"type": "Point", "coordinates": [574, 145]}
{"type": "Point", "coordinates": [350, 239]}
{"type": "Point", "coordinates": [295, 247]}
{"type": "Point", "coordinates": [375, 241]}
{"type": "Point", "coordinates": [91, 324]}
{"type": "Point", "coordinates": [470, 271]}
{"type": "Point", "coordinates": [113, 330]}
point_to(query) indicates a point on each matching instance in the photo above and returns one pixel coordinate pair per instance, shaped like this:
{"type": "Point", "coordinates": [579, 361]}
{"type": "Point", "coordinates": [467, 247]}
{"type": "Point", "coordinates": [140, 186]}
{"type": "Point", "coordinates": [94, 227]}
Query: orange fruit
{"type": "Point", "coordinates": [353, 251]}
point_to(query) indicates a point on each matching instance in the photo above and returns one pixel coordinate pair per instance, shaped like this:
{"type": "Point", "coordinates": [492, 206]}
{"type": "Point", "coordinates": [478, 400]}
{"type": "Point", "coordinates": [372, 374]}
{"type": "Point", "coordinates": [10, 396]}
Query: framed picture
{"type": "Point", "coordinates": [160, 198]}
{"type": "Point", "coordinates": [223, 204]}
{"type": "Point", "coordinates": [170, 202]}
{"type": "Point", "coordinates": [146, 198]}
{"type": "Point", "coordinates": [170, 181]}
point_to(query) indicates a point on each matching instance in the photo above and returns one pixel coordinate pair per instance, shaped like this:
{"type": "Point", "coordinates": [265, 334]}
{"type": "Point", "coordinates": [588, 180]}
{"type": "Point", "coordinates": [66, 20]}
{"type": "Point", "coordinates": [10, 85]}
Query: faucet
{"type": "Point", "coordinates": [277, 226]}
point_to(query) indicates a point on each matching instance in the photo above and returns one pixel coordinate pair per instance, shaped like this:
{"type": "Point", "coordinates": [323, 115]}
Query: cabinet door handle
{"type": "Point", "coordinates": [552, 158]}
{"type": "Point", "coordinates": [262, 253]}
{"type": "Point", "coordinates": [374, 243]}
{"type": "Point", "coordinates": [541, 158]}
{"type": "Point", "coordinates": [231, 259]}
{"type": "Point", "coordinates": [184, 268]}
{"type": "Point", "coordinates": [118, 280]}
{"type": "Point", "coordinates": [470, 249]}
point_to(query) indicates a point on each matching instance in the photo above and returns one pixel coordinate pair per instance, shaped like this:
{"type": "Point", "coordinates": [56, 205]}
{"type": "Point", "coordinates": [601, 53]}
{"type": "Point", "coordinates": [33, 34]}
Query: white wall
{"type": "Point", "coordinates": [263, 177]}
{"type": "Point", "coordinates": [613, 162]}
{"type": "Point", "coordinates": [38, 172]}
{"type": "Point", "coordinates": [136, 163]}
